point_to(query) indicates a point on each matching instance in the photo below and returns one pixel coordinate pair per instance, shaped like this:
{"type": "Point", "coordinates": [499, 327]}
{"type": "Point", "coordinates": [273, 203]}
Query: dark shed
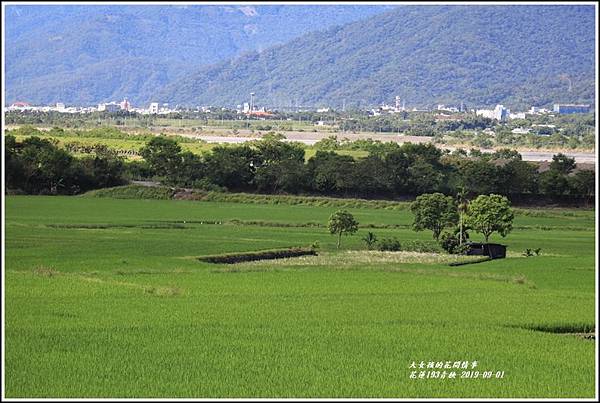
{"type": "Point", "coordinates": [493, 250]}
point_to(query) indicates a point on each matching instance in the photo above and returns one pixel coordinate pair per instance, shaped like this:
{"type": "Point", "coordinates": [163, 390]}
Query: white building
{"type": "Point", "coordinates": [109, 107]}
{"type": "Point", "coordinates": [442, 107]}
{"type": "Point", "coordinates": [520, 130]}
{"type": "Point", "coordinates": [153, 107]}
{"type": "Point", "coordinates": [499, 113]}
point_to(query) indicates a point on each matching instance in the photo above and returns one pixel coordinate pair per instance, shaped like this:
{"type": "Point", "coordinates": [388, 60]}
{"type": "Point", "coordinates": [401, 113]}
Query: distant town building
{"type": "Point", "coordinates": [520, 130]}
{"type": "Point", "coordinates": [571, 108]}
{"type": "Point", "coordinates": [399, 107]}
{"type": "Point", "coordinates": [125, 105]}
{"type": "Point", "coordinates": [442, 107]}
{"type": "Point", "coordinates": [19, 106]}
{"type": "Point", "coordinates": [109, 107]}
{"type": "Point", "coordinates": [535, 110]}
{"type": "Point", "coordinates": [153, 107]}
{"type": "Point", "coordinates": [499, 113]}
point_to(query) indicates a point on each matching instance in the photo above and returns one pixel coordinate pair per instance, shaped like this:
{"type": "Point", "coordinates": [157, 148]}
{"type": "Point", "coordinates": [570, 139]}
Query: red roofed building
{"type": "Point", "coordinates": [20, 105]}
{"type": "Point", "coordinates": [260, 113]}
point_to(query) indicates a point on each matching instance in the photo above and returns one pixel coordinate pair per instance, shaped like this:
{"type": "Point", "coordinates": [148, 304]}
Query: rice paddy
{"type": "Point", "coordinates": [106, 298]}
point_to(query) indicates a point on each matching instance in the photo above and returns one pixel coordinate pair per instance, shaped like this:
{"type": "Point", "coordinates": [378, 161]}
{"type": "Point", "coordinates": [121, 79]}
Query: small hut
{"type": "Point", "coordinates": [493, 250]}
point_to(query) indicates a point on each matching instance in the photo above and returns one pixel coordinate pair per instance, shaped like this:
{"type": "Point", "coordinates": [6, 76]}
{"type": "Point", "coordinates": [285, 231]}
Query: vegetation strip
{"type": "Point", "coordinates": [230, 258]}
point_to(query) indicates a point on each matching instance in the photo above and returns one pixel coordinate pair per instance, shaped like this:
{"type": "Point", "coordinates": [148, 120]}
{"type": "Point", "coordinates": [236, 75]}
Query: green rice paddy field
{"type": "Point", "coordinates": [104, 298]}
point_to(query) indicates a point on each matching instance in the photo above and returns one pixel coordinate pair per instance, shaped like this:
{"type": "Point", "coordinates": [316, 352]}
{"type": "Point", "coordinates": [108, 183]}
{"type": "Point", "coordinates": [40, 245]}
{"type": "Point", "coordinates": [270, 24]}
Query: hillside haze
{"type": "Point", "coordinates": [91, 53]}
{"type": "Point", "coordinates": [479, 55]}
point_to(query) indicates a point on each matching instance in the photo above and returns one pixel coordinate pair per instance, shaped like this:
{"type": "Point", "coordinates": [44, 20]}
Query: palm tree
{"type": "Point", "coordinates": [463, 205]}
{"type": "Point", "coordinates": [370, 240]}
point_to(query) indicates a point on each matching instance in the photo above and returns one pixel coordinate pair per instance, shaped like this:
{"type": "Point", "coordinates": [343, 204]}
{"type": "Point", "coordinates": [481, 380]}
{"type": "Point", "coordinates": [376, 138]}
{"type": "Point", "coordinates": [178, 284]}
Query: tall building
{"type": "Point", "coordinates": [501, 113]}
{"type": "Point", "coordinates": [125, 105]}
{"type": "Point", "coordinates": [153, 107]}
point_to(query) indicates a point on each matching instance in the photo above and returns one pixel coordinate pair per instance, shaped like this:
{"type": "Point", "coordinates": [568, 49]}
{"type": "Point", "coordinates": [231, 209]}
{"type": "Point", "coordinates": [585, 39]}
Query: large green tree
{"type": "Point", "coordinates": [490, 213]}
{"type": "Point", "coordinates": [280, 165]}
{"type": "Point", "coordinates": [583, 183]}
{"type": "Point", "coordinates": [163, 156]}
{"type": "Point", "coordinates": [562, 164]}
{"type": "Point", "coordinates": [232, 167]}
{"type": "Point", "coordinates": [434, 212]}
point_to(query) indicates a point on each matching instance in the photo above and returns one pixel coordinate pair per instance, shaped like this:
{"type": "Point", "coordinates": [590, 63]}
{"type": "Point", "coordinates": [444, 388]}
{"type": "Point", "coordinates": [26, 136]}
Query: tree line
{"type": "Point", "coordinates": [389, 170]}
{"type": "Point", "coordinates": [39, 166]}
{"type": "Point", "coordinates": [271, 165]}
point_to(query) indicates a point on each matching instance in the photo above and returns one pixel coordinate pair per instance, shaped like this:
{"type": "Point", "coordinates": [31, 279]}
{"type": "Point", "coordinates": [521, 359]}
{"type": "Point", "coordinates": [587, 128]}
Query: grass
{"type": "Point", "coordinates": [133, 192]}
{"type": "Point", "coordinates": [162, 192]}
{"type": "Point", "coordinates": [133, 143]}
{"type": "Point", "coordinates": [106, 298]}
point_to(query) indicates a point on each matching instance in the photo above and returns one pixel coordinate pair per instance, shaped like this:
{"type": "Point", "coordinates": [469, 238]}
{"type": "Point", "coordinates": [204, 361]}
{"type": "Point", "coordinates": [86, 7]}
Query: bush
{"type": "Point", "coordinates": [390, 245]}
{"type": "Point", "coordinates": [206, 185]}
{"type": "Point", "coordinates": [530, 252]}
{"type": "Point", "coordinates": [421, 246]}
{"type": "Point", "coordinates": [450, 241]}
{"type": "Point", "coordinates": [132, 192]}
{"type": "Point", "coordinates": [370, 239]}
{"type": "Point", "coordinates": [230, 258]}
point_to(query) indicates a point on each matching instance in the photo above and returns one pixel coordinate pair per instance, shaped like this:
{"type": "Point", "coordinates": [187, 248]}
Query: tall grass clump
{"type": "Point", "coordinates": [133, 192]}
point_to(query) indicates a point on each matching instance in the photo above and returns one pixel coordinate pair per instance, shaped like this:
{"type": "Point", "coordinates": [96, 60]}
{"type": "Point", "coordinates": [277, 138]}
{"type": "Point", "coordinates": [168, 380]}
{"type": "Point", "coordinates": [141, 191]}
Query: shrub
{"type": "Point", "coordinates": [133, 192]}
{"type": "Point", "coordinates": [421, 246]}
{"type": "Point", "coordinates": [450, 241]}
{"type": "Point", "coordinates": [390, 245]}
{"type": "Point", "coordinates": [207, 185]}
{"type": "Point", "coordinates": [230, 258]}
{"type": "Point", "coordinates": [370, 239]}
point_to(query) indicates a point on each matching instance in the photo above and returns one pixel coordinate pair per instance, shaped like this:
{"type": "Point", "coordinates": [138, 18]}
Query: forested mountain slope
{"type": "Point", "coordinates": [516, 55]}
{"type": "Point", "coordinates": [91, 53]}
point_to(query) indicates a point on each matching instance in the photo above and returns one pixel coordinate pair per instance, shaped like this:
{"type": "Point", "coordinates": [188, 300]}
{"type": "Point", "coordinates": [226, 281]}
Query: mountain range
{"type": "Point", "coordinates": [84, 54]}
{"type": "Point", "coordinates": [517, 55]}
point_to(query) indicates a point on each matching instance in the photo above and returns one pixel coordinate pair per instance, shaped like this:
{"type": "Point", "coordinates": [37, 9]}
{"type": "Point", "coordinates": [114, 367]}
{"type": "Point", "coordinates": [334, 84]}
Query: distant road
{"type": "Point", "coordinates": [582, 158]}
{"type": "Point", "coordinates": [312, 138]}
